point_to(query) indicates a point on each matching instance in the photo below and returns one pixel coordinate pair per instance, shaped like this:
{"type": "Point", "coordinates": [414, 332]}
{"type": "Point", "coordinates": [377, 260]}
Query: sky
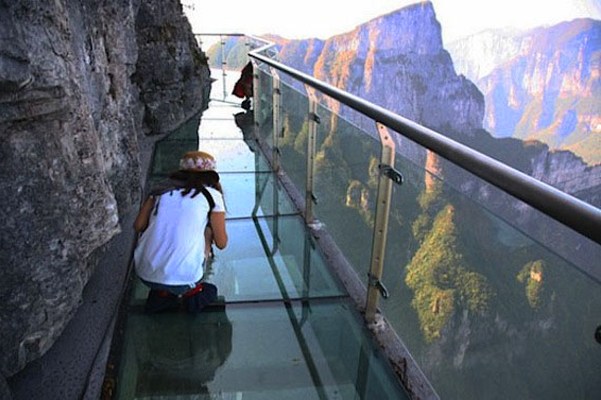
{"type": "Point", "coordinates": [325, 18]}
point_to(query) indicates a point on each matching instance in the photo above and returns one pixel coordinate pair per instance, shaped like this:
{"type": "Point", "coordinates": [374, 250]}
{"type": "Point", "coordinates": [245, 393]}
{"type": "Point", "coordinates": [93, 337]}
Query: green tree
{"type": "Point", "coordinates": [532, 276]}
{"type": "Point", "coordinates": [441, 280]}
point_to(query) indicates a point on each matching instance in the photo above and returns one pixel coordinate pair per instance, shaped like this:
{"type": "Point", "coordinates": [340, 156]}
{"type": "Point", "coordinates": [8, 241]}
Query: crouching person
{"type": "Point", "coordinates": [179, 223]}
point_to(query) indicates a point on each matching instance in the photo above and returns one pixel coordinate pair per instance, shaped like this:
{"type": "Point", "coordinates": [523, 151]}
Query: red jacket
{"type": "Point", "coordinates": [244, 86]}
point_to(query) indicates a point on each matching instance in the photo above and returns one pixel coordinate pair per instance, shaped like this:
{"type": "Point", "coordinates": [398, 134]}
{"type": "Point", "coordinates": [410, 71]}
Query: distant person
{"type": "Point", "coordinates": [244, 86]}
{"type": "Point", "coordinates": [179, 223]}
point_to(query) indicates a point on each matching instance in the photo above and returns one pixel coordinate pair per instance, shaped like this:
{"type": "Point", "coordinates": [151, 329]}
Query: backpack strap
{"type": "Point", "coordinates": [168, 188]}
{"type": "Point", "coordinates": [210, 200]}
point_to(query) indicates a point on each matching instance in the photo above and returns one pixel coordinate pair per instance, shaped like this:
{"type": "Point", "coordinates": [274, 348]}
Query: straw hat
{"type": "Point", "coordinates": [196, 163]}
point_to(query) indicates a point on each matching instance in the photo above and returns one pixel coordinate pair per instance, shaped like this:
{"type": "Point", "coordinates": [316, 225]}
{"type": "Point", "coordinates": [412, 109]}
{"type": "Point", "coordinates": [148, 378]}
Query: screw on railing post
{"type": "Point", "coordinates": [375, 287]}
{"type": "Point", "coordinates": [277, 119]}
{"type": "Point", "coordinates": [311, 144]}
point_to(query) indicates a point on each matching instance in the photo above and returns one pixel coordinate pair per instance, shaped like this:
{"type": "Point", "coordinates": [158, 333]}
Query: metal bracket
{"type": "Point", "coordinates": [373, 281]}
{"type": "Point", "coordinates": [391, 173]}
{"type": "Point", "coordinates": [315, 117]}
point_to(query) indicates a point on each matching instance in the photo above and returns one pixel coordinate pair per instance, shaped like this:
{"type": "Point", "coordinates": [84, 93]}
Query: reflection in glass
{"type": "Point", "coordinates": [482, 305]}
{"type": "Point", "coordinates": [173, 354]}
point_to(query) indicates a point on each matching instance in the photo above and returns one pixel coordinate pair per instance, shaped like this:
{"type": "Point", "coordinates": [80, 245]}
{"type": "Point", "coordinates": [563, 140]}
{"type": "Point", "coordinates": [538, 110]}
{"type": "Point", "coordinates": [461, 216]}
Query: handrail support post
{"type": "Point", "coordinates": [277, 119]}
{"type": "Point", "coordinates": [256, 96]}
{"type": "Point", "coordinates": [375, 288]}
{"type": "Point", "coordinates": [311, 150]}
{"type": "Point", "coordinates": [223, 64]}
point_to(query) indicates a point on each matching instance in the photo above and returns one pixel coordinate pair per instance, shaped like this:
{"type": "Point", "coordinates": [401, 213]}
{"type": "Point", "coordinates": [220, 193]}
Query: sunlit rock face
{"type": "Point", "coordinates": [388, 63]}
{"type": "Point", "coordinates": [396, 61]}
{"type": "Point", "coordinates": [543, 84]}
{"type": "Point", "coordinates": [70, 120]}
{"type": "Point", "coordinates": [476, 56]}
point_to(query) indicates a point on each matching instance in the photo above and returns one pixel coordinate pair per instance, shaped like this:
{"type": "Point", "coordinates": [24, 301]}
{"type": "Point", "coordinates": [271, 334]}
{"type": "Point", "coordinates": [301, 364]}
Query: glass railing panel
{"type": "Point", "coordinates": [292, 141]}
{"type": "Point", "coordinates": [493, 280]}
{"type": "Point", "coordinates": [260, 194]}
{"type": "Point", "coordinates": [315, 351]}
{"type": "Point", "coordinates": [345, 186]}
{"type": "Point", "coordinates": [263, 105]}
{"type": "Point", "coordinates": [483, 307]}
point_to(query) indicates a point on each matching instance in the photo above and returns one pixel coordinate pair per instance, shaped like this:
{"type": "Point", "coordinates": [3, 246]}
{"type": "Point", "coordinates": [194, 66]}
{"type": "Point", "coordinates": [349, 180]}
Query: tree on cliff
{"type": "Point", "coordinates": [442, 280]}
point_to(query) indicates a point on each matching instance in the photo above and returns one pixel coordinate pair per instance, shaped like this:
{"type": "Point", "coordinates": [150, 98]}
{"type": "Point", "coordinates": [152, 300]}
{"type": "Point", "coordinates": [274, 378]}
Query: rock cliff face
{"type": "Point", "coordinates": [478, 55]}
{"type": "Point", "coordinates": [77, 84]}
{"type": "Point", "coordinates": [388, 63]}
{"type": "Point", "coordinates": [543, 84]}
{"type": "Point", "coordinates": [397, 61]}
{"type": "Point", "coordinates": [171, 70]}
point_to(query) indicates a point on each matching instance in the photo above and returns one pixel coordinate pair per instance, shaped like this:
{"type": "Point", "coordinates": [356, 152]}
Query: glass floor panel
{"type": "Point", "coordinates": [231, 155]}
{"type": "Point", "coordinates": [263, 351]}
{"type": "Point", "coordinates": [282, 328]}
{"type": "Point", "coordinates": [234, 156]}
{"type": "Point", "coordinates": [257, 266]}
{"type": "Point", "coordinates": [261, 193]}
{"type": "Point", "coordinates": [220, 109]}
{"type": "Point", "coordinates": [219, 129]}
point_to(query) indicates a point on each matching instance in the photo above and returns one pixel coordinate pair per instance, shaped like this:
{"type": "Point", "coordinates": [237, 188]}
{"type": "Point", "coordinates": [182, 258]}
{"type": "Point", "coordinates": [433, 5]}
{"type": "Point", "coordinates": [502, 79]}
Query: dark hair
{"type": "Point", "coordinates": [193, 181]}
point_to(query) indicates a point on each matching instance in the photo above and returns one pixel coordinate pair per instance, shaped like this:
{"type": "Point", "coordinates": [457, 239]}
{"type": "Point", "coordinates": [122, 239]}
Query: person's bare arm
{"type": "Point", "coordinates": [219, 232]}
{"type": "Point", "coordinates": [141, 222]}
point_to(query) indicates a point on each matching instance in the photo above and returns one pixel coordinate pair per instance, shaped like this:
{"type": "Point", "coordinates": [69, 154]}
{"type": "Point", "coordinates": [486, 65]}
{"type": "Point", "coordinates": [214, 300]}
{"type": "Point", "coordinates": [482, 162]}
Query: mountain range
{"type": "Point", "coordinates": [543, 84]}
{"type": "Point", "coordinates": [398, 62]}
{"type": "Point", "coordinates": [473, 295]}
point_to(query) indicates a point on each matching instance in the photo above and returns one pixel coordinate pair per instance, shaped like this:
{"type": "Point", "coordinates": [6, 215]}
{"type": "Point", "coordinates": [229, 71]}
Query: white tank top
{"type": "Point", "coordinates": [171, 249]}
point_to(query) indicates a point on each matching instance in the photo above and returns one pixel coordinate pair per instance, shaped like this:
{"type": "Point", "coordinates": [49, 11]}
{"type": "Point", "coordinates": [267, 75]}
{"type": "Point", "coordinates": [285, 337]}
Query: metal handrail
{"type": "Point", "coordinates": [570, 211]}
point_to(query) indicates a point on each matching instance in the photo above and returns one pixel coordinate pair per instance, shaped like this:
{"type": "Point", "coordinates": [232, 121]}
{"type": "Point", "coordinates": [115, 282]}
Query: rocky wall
{"type": "Point", "coordinates": [79, 83]}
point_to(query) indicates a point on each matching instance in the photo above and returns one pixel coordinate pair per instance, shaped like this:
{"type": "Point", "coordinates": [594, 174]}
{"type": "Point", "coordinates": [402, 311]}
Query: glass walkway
{"type": "Point", "coordinates": [283, 326]}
